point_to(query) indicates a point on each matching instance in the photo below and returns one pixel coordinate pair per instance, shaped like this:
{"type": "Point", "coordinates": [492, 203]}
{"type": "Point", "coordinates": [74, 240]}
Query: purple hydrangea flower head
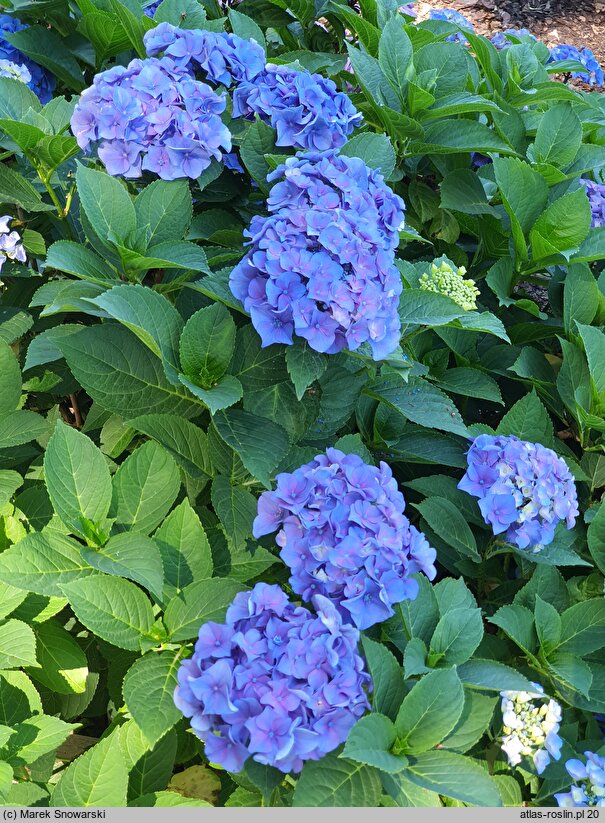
{"type": "Point", "coordinates": [453, 16]}
{"type": "Point", "coordinates": [502, 41]}
{"type": "Point", "coordinates": [274, 682]}
{"type": "Point", "coordinates": [589, 786]}
{"type": "Point", "coordinates": [594, 72]}
{"type": "Point", "coordinates": [224, 58]}
{"type": "Point", "coordinates": [525, 490]}
{"type": "Point", "coordinates": [11, 247]}
{"type": "Point", "coordinates": [344, 535]}
{"type": "Point", "coordinates": [531, 724]}
{"type": "Point", "coordinates": [596, 197]}
{"type": "Point", "coordinates": [151, 9]}
{"type": "Point", "coordinates": [152, 115]}
{"type": "Point", "coordinates": [306, 110]}
{"type": "Point", "coordinates": [321, 264]}
{"type": "Point", "coordinates": [408, 9]}
{"type": "Point", "coordinates": [41, 82]}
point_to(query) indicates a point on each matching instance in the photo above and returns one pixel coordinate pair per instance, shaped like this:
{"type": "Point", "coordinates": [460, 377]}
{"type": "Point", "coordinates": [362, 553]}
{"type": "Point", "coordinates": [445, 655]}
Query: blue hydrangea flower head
{"type": "Point", "coordinates": [594, 72]}
{"type": "Point", "coordinates": [8, 69]}
{"type": "Point", "coordinates": [274, 682]}
{"type": "Point", "coordinates": [151, 9]}
{"type": "Point", "coordinates": [453, 16]}
{"type": "Point", "coordinates": [41, 82]}
{"type": "Point", "coordinates": [344, 535]}
{"type": "Point", "coordinates": [525, 490]}
{"type": "Point", "coordinates": [589, 786]}
{"type": "Point", "coordinates": [306, 110]}
{"type": "Point", "coordinates": [321, 265]}
{"type": "Point", "coordinates": [408, 9]}
{"type": "Point", "coordinates": [11, 247]}
{"type": "Point", "coordinates": [596, 197]}
{"type": "Point", "coordinates": [154, 116]}
{"type": "Point", "coordinates": [224, 58]}
{"type": "Point", "coordinates": [531, 723]}
{"type": "Point", "coordinates": [502, 41]}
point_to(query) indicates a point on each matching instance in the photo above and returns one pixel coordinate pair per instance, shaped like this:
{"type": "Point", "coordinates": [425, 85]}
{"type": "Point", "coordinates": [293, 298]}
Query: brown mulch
{"type": "Point", "coordinates": [577, 22]}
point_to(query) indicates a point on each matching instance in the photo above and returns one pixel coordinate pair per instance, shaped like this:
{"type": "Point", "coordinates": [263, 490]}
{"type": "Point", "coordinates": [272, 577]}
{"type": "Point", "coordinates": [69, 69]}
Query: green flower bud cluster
{"type": "Point", "coordinates": [449, 281]}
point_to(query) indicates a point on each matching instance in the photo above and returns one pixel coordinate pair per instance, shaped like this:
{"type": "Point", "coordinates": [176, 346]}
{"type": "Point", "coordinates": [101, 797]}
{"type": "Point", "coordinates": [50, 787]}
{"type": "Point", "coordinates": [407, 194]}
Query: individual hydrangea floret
{"type": "Point", "coordinates": [409, 9]}
{"type": "Point", "coordinates": [531, 724]}
{"type": "Point", "coordinates": [306, 110]}
{"type": "Point", "coordinates": [151, 9]}
{"type": "Point", "coordinates": [501, 39]}
{"type": "Point", "coordinates": [594, 72]}
{"type": "Point", "coordinates": [448, 280]}
{"type": "Point", "coordinates": [8, 69]}
{"type": "Point", "coordinates": [153, 116]}
{"type": "Point", "coordinates": [344, 535]}
{"type": "Point", "coordinates": [11, 247]}
{"type": "Point", "coordinates": [596, 197]}
{"type": "Point", "coordinates": [224, 58]}
{"type": "Point", "coordinates": [274, 682]}
{"type": "Point", "coordinates": [41, 82]}
{"type": "Point", "coordinates": [453, 16]}
{"type": "Point", "coordinates": [589, 787]}
{"type": "Point", "coordinates": [321, 264]}
{"type": "Point", "coordinates": [524, 489]}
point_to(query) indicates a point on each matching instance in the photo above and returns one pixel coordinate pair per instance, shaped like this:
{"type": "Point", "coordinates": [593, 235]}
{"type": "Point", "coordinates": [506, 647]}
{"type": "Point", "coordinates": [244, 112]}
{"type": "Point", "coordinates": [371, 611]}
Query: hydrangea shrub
{"type": "Point", "coordinates": [302, 403]}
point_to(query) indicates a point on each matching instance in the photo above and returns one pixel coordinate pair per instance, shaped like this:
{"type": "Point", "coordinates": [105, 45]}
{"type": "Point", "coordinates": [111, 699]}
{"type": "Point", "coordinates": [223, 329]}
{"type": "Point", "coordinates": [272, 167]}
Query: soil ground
{"type": "Point", "coordinates": [577, 22]}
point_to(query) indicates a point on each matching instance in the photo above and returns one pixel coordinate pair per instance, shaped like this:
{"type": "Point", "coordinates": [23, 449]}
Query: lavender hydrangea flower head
{"type": "Point", "coordinates": [152, 115]}
{"type": "Point", "coordinates": [594, 72]}
{"type": "Point", "coordinates": [524, 489]}
{"type": "Point", "coordinates": [274, 682]}
{"type": "Point", "coordinates": [224, 58]}
{"type": "Point", "coordinates": [501, 41]}
{"type": "Point", "coordinates": [321, 264]}
{"type": "Point", "coordinates": [344, 535]}
{"type": "Point", "coordinates": [453, 16]}
{"type": "Point", "coordinates": [8, 69]}
{"type": "Point", "coordinates": [11, 247]}
{"type": "Point", "coordinates": [531, 727]}
{"type": "Point", "coordinates": [408, 9]}
{"type": "Point", "coordinates": [306, 110]}
{"type": "Point", "coordinates": [41, 82]}
{"type": "Point", "coordinates": [596, 197]}
{"type": "Point", "coordinates": [589, 787]}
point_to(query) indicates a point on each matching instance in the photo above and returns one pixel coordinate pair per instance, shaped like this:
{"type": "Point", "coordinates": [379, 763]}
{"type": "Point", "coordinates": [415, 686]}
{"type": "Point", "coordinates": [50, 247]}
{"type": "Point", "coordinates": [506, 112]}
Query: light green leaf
{"type": "Point", "coordinates": [10, 380]}
{"type": "Point", "coordinates": [107, 204]}
{"type": "Point", "coordinates": [184, 441]}
{"type": "Point", "coordinates": [63, 664]}
{"type": "Point", "coordinates": [79, 260]}
{"type": "Point", "coordinates": [148, 690]}
{"type": "Point", "coordinates": [583, 627]}
{"type": "Point", "coordinates": [133, 556]}
{"type": "Point", "coordinates": [164, 209]}
{"type": "Point", "coordinates": [184, 547]}
{"type": "Point", "coordinates": [96, 778]}
{"type": "Point", "coordinates": [21, 427]}
{"type": "Point", "coordinates": [387, 678]}
{"type": "Point", "coordinates": [370, 742]}
{"type": "Point", "coordinates": [37, 736]}
{"type": "Point", "coordinates": [518, 623]}
{"type": "Point", "coordinates": [429, 711]}
{"type": "Point", "coordinates": [207, 344]}
{"type": "Point", "coordinates": [454, 775]}
{"type": "Point", "coordinates": [456, 637]}
{"type": "Point", "coordinates": [197, 604]}
{"type": "Point", "coordinates": [332, 781]}
{"type": "Point", "coordinates": [490, 675]}
{"type": "Point", "coordinates": [17, 645]}
{"type": "Point", "coordinates": [42, 562]}
{"type": "Point", "coordinates": [562, 226]}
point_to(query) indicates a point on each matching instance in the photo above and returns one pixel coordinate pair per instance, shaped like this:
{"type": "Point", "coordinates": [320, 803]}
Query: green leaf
{"type": "Point", "coordinates": [114, 609]}
{"type": "Point", "coordinates": [456, 637]}
{"type": "Point", "coordinates": [370, 742]}
{"type": "Point", "coordinates": [184, 441]}
{"type": "Point", "coordinates": [395, 54]}
{"type": "Point", "coordinates": [473, 723]}
{"type": "Point", "coordinates": [518, 623]}
{"type": "Point", "coordinates": [558, 136]}
{"type": "Point", "coordinates": [376, 150]}
{"type": "Point", "coordinates": [77, 479]}
{"type": "Point", "coordinates": [594, 346]}
{"type": "Point", "coordinates": [96, 778]}
{"type": "Point", "coordinates": [107, 204]}
{"type": "Point", "coordinates": [222, 395]}
{"type": "Point", "coordinates": [14, 189]}
{"type": "Point", "coordinates": [42, 562]}
{"type": "Point", "coordinates": [16, 99]}
{"type": "Point", "coordinates": [596, 538]}
{"type": "Point", "coordinates": [176, 254]}
{"type": "Point", "coordinates": [548, 624]}
{"type": "Point", "coordinates": [387, 678]}
{"type": "Point", "coordinates": [429, 711]}
{"type": "Point", "coordinates": [259, 141]}
{"type": "Point", "coordinates": [148, 690]}
{"type": "Point", "coordinates": [121, 374]}
{"type": "Point", "coordinates": [571, 671]}
{"type": "Point", "coordinates": [184, 547]}
{"type": "Point", "coordinates": [425, 308]}
{"type": "Point", "coordinates": [419, 402]}
{"type": "Point", "coordinates": [524, 194]}
{"type": "Point", "coordinates": [454, 775]}
{"type": "Point", "coordinates": [236, 509]}
{"type": "Point", "coordinates": [169, 799]}
{"type": "Point", "coordinates": [18, 698]}
{"type": "Point", "coordinates": [491, 675]}
{"type": "Point", "coordinates": [470, 383]}
{"type": "Point", "coordinates": [17, 645]}
{"type": "Point", "coordinates": [583, 627]}
{"type": "Point", "coordinates": [528, 420]}
{"type": "Point", "coordinates": [21, 427]}
{"type": "Point", "coordinates": [462, 190]}
{"type": "Point", "coordinates": [198, 603]}
{"type": "Point", "coordinates": [332, 781]}
{"type": "Point", "coordinates": [581, 297]}
{"type": "Point", "coordinates": [185, 14]}
{"type": "Point", "coordinates": [35, 737]}
{"type": "Point", "coordinates": [63, 664]}
{"type": "Point", "coordinates": [144, 488]}
{"type": "Point", "coordinates": [207, 344]}
{"type": "Point", "coordinates": [45, 47]}
{"type": "Point", "coordinates": [405, 793]}
{"type": "Point", "coordinates": [562, 226]}
{"type": "Point", "coordinates": [164, 209]}
{"type": "Point", "coordinates": [245, 27]}
{"type": "Point", "coordinates": [446, 521]}
{"type": "Point", "coordinates": [133, 556]}
{"type": "Point", "coordinates": [260, 444]}
{"type": "Point", "coordinates": [305, 365]}
{"type": "Point", "coordinates": [459, 136]}
{"type": "Point", "coordinates": [420, 616]}
{"type": "Point", "coordinates": [10, 380]}
{"type": "Point", "coordinates": [80, 261]}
